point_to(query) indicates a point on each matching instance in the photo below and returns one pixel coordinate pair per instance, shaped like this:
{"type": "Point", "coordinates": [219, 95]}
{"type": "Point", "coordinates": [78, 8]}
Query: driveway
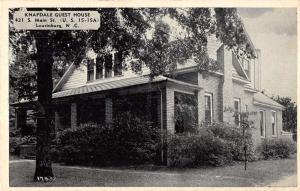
{"type": "Point", "coordinates": [260, 173]}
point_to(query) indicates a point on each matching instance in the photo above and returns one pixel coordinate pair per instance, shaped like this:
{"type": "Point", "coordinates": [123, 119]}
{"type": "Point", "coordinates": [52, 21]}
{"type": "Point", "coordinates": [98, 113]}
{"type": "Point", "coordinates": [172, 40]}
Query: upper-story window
{"type": "Point", "coordinates": [246, 64]}
{"type": "Point", "coordinates": [104, 67]}
{"type": "Point", "coordinates": [90, 70]}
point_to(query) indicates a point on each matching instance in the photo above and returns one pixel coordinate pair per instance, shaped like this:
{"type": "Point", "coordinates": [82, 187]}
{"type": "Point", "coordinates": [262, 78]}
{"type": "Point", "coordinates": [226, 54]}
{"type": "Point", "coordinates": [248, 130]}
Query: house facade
{"type": "Point", "coordinates": [90, 92]}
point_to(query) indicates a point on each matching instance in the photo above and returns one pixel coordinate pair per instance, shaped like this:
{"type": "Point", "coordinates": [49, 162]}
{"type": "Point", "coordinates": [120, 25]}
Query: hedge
{"type": "Point", "coordinates": [214, 145]}
{"type": "Point", "coordinates": [276, 148]}
{"type": "Point", "coordinates": [128, 140]}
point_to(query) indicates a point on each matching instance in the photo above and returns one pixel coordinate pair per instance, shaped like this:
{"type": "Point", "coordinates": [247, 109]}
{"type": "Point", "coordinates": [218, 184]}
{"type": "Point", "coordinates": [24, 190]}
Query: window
{"type": "Point", "coordinates": [246, 108]}
{"type": "Point", "coordinates": [273, 123]}
{"type": "Point", "coordinates": [117, 64]}
{"type": "Point", "coordinates": [90, 70]}
{"type": "Point", "coordinates": [262, 125]}
{"type": "Point", "coordinates": [104, 67]}
{"type": "Point", "coordinates": [246, 64]}
{"type": "Point", "coordinates": [108, 66]}
{"type": "Point", "coordinates": [99, 67]}
{"type": "Point", "coordinates": [237, 111]}
{"type": "Point", "coordinates": [208, 107]}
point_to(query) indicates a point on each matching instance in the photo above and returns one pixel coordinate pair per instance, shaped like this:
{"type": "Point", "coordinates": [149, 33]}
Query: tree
{"type": "Point", "coordinates": [289, 114]}
{"type": "Point", "coordinates": [124, 30]}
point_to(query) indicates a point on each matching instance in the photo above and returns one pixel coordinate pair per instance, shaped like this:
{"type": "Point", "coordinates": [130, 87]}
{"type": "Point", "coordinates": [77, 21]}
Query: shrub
{"type": "Point", "coordinates": [214, 144]}
{"type": "Point", "coordinates": [276, 148]}
{"type": "Point", "coordinates": [234, 136]}
{"type": "Point", "coordinates": [127, 140]}
{"type": "Point", "coordinates": [16, 142]}
{"type": "Point", "coordinates": [198, 149]}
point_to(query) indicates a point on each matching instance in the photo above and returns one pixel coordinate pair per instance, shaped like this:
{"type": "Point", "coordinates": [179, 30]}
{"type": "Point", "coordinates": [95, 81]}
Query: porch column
{"type": "Point", "coordinates": [169, 107]}
{"type": "Point", "coordinates": [108, 110]}
{"type": "Point", "coordinates": [73, 115]}
{"type": "Point", "coordinates": [20, 121]}
{"type": "Point", "coordinates": [201, 105]}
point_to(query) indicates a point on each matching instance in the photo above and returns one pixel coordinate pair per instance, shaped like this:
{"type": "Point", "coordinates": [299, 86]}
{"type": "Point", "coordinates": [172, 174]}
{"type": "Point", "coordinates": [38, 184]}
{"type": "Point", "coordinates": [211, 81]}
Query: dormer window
{"type": "Point", "coordinates": [99, 67]}
{"type": "Point", "coordinates": [246, 63]}
{"type": "Point", "coordinates": [90, 70]}
{"type": "Point", "coordinates": [104, 67]}
{"type": "Point", "coordinates": [108, 66]}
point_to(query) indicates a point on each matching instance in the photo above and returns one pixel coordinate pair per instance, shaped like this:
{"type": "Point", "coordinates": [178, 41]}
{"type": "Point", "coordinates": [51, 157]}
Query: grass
{"type": "Point", "coordinates": [260, 173]}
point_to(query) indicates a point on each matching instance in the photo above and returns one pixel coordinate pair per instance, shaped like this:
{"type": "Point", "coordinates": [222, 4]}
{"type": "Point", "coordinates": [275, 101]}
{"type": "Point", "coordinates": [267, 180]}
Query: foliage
{"type": "Point", "coordinates": [128, 140]}
{"type": "Point", "coordinates": [277, 148]}
{"type": "Point", "coordinates": [142, 36]}
{"type": "Point", "coordinates": [215, 144]}
{"type": "Point", "coordinates": [16, 142]}
{"type": "Point", "coordinates": [289, 114]}
{"type": "Point", "coordinates": [234, 136]}
{"type": "Point", "coordinates": [198, 149]}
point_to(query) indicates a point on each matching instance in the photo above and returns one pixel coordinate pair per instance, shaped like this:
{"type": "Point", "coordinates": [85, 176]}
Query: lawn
{"type": "Point", "coordinates": [260, 173]}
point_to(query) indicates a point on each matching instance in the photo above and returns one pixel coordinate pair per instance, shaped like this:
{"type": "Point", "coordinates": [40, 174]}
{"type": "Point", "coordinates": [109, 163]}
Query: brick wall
{"type": "Point", "coordinates": [268, 128]}
{"type": "Point", "coordinates": [168, 110]}
{"type": "Point", "coordinates": [211, 84]}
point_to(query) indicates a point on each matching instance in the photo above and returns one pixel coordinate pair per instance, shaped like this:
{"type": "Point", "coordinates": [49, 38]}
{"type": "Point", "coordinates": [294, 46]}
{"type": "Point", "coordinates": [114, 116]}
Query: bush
{"type": "Point", "coordinates": [215, 144]}
{"type": "Point", "coordinates": [198, 149]}
{"type": "Point", "coordinates": [127, 140]}
{"type": "Point", "coordinates": [234, 136]}
{"type": "Point", "coordinates": [276, 148]}
{"type": "Point", "coordinates": [16, 142]}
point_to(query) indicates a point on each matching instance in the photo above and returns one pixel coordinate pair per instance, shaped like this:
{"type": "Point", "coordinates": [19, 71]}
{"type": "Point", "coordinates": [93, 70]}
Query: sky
{"type": "Point", "coordinates": [274, 32]}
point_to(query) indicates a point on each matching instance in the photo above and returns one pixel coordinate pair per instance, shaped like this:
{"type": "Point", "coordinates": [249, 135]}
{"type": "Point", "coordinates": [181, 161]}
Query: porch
{"type": "Point", "coordinates": [101, 102]}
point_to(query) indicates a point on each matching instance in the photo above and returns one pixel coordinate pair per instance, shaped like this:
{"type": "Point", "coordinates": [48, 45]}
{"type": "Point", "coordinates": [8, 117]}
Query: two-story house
{"type": "Point", "coordinates": [90, 91]}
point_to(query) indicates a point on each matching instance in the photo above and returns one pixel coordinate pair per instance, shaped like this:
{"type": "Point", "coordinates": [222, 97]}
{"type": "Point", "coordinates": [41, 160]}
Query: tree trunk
{"type": "Point", "coordinates": [44, 60]}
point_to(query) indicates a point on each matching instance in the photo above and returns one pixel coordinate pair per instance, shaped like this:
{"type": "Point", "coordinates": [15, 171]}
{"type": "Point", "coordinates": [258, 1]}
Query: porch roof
{"type": "Point", "coordinates": [109, 85]}
{"type": "Point", "coordinates": [122, 83]}
{"type": "Point", "coordinates": [263, 100]}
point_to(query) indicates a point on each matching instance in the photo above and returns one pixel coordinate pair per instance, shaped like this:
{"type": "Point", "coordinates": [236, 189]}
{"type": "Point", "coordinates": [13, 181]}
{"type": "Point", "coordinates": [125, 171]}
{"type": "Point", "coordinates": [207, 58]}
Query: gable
{"type": "Point", "coordinates": [213, 44]}
{"type": "Point", "coordinates": [237, 69]}
{"type": "Point", "coordinates": [77, 79]}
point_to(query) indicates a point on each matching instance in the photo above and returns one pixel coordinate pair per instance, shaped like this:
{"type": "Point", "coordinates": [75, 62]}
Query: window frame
{"type": "Point", "coordinates": [246, 62]}
{"type": "Point", "coordinates": [103, 74]}
{"type": "Point", "coordinates": [89, 68]}
{"type": "Point", "coordinates": [264, 124]}
{"type": "Point", "coordinates": [210, 95]}
{"type": "Point", "coordinates": [99, 65]}
{"type": "Point", "coordinates": [239, 110]}
{"type": "Point", "coordinates": [275, 123]}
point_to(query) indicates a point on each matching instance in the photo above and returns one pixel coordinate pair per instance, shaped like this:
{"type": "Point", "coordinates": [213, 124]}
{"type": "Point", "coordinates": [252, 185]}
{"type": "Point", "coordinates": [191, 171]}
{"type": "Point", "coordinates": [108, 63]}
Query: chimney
{"type": "Point", "coordinates": [224, 57]}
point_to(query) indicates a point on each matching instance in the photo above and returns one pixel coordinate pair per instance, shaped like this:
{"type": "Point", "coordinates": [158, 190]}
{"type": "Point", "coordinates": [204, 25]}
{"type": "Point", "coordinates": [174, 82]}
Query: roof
{"type": "Point", "coordinates": [263, 100]}
{"type": "Point", "coordinates": [122, 83]}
